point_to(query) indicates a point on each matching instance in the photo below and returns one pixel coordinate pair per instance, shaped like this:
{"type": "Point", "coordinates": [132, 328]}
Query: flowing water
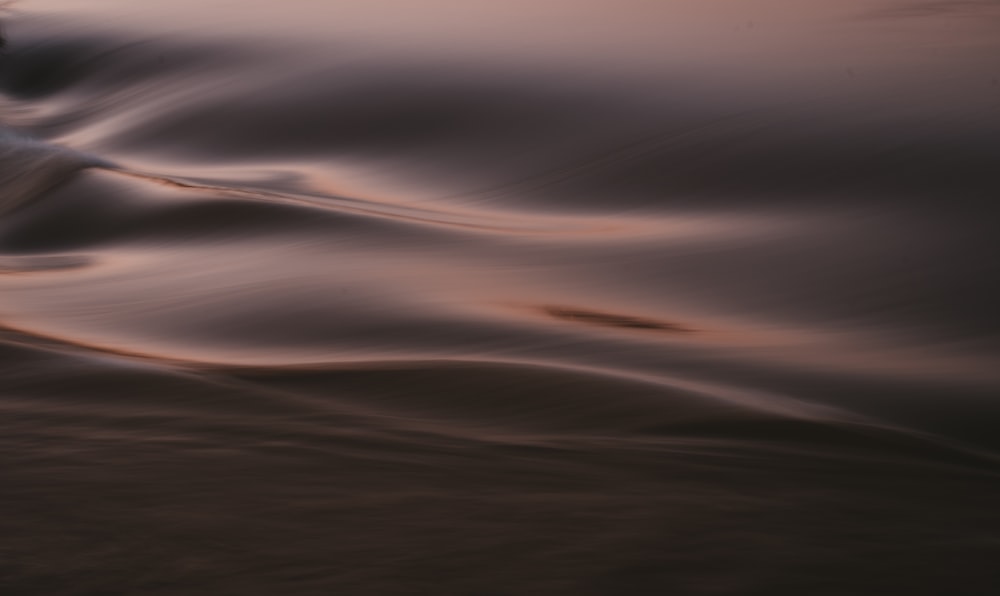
{"type": "Point", "coordinates": [400, 297]}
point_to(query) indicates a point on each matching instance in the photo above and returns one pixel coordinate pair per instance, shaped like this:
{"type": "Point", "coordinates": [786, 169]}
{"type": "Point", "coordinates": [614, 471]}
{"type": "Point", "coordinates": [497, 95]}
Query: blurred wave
{"type": "Point", "coordinates": [326, 300]}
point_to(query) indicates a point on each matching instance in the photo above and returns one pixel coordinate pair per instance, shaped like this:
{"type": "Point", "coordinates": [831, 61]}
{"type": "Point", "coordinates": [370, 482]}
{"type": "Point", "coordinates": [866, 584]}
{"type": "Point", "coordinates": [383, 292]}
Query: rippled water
{"type": "Point", "coordinates": [437, 297]}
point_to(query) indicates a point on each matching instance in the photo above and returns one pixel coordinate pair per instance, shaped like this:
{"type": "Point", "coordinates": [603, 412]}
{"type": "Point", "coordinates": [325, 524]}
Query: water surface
{"type": "Point", "coordinates": [439, 297]}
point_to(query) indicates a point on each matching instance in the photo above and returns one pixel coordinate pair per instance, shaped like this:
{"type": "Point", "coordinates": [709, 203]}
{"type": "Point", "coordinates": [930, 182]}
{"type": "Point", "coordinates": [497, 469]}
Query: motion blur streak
{"type": "Point", "coordinates": [391, 297]}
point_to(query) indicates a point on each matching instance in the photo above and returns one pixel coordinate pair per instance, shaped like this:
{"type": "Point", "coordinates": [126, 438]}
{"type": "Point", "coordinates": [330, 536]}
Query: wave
{"type": "Point", "coordinates": [307, 312]}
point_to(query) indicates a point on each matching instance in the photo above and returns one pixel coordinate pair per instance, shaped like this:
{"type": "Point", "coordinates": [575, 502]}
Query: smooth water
{"type": "Point", "coordinates": [392, 297]}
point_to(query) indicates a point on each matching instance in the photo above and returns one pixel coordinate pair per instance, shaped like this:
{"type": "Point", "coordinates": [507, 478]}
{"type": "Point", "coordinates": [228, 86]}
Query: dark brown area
{"type": "Point", "coordinates": [593, 317]}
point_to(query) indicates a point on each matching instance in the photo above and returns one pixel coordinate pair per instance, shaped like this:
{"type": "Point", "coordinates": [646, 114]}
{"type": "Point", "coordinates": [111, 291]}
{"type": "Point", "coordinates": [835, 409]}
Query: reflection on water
{"type": "Point", "coordinates": [321, 297]}
{"type": "Point", "coordinates": [611, 320]}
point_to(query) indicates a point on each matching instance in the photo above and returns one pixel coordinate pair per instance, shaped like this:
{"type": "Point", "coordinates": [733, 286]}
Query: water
{"type": "Point", "coordinates": [332, 297]}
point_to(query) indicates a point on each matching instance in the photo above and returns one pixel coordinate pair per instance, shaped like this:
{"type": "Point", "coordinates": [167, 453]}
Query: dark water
{"type": "Point", "coordinates": [585, 298]}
